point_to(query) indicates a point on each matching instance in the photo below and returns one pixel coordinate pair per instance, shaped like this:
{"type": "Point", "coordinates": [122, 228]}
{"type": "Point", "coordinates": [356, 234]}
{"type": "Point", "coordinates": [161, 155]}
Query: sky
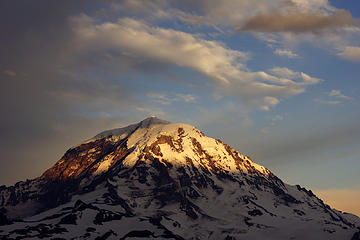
{"type": "Point", "coordinates": [278, 80]}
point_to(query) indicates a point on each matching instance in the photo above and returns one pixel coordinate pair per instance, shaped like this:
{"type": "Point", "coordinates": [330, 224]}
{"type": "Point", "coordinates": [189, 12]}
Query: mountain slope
{"type": "Point", "coordinates": [164, 180]}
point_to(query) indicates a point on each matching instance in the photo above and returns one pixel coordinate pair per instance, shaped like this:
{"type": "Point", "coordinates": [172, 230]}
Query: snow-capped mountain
{"type": "Point", "coordinates": [157, 179]}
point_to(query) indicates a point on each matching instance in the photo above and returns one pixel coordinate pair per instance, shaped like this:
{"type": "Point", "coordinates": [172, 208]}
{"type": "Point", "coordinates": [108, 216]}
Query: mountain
{"type": "Point", "coordinates": [157, 179]}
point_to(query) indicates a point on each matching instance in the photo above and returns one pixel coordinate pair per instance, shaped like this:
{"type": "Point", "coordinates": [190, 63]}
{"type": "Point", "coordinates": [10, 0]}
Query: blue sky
{"type": "Point", "coordinates": [278, 80]}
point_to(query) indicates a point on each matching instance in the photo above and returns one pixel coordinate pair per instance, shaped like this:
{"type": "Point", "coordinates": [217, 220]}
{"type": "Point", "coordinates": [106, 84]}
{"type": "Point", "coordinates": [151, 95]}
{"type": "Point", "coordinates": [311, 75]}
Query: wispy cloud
{"type": "Point", "coordinates": [277, 118]}
{"type": "Point", "coordinates": [338, 94]}
{"type": "Point", "coordinates": [166, 99]}
{"type": "Point", "coordinates": [327, 102]}
{"type": "Point", "coordinates": [298, 22]}
{"type": "Point", "coordinates": [334, 97]}
{"type": "Point", "coordinates": [186, 97]}
{"type": "Point", "coordinates": [224, 67]}
{"type": "Point", "coordinates": [286, 53]}
{"type": "Point", "coordinates": [287, 20]}
{"type": "Point", "coordinates": [159, 98]}
{"type": "Point", "coordinates": [283, 72]}
{"type": "Point", "coordinates": [151, 111]}
{"type": "Point", "coordinates": [351, 53]}
{"type": "Point", "coordinates": [274, 120]}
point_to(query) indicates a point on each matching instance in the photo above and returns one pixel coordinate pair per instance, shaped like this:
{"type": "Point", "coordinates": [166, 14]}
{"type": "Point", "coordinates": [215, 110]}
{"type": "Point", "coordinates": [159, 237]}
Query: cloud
{"type": "Point", "coordinates": [298, 22]}
{"type": "Point", "coordinates": [338, 94]}
{"type": "Point", "coordinates": [308, 80]}
{"type": "Point", "coordinates": [351, 53]}
{"type": "Point", "coordinates": [164, 99]}
{"type": "Point", "coordinates": [330, 25]}
{"type": "Point", "coordinates": [159, 98]}
{"type": "Point", "coordinates": [224, 67]}
{"type": "Point", "coordinates": [289, 19]}
{"type": "Point", "coordinates": [279, 23]}
{"type": "Point", "coordinates": [162, 45]}
{"type": "Point", "coordinates": [151, 111]}
{"type": "Point", "coordinates": [335, 97]}
{"type": "Point", "coordinates": [274, 120]}
{"type": "Point", "coordinates": [286, 53]}
{"type": "Point", "coordinates": [341, 199]}
{"type": "Point", "coordinates": [186, 97]}
{"type": "Point", "coordinates": [151, 10]}
{"type": "Point", "coordinates": [327, 102]}
{"type": "Point", "coordinates": [137, 6]}
{"type": "Point", "coordinates": [236, 13]}
{"type": "Point", "coordinates": [283, 72]}
{"type": "Point", "coordinates": [277, 118]}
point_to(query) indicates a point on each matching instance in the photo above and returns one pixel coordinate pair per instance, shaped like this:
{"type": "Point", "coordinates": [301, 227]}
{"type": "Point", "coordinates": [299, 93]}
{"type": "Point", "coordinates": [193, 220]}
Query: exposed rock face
{"type": "Point", "coordinates": [161, 180]}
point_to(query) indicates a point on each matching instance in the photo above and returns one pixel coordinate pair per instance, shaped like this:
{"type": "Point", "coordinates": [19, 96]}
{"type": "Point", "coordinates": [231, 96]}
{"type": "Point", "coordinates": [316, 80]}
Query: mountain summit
{"type": "Point", "coordinates": [146, 123]}
{"type": "Point", "coordinates": [157, 179]}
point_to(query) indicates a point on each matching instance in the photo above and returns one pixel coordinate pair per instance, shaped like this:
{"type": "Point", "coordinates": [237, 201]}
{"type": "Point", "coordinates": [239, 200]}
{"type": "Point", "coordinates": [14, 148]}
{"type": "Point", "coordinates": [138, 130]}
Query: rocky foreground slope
{"type": "Point", "coordinates": [164, 180]}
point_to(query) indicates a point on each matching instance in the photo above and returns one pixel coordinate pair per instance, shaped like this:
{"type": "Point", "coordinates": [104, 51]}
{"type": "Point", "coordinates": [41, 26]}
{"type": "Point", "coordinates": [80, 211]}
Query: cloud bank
{"type": "Point", "coordinates": [224, 67]}
{"type": "Point", "coordinates": [298, 22]}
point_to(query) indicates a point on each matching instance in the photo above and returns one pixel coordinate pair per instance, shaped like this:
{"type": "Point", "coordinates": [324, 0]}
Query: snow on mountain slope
{"type": "Point", "coordinates": [164, 180]}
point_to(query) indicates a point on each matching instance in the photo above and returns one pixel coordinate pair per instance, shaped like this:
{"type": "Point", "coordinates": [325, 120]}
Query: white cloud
{"type": "Point", "coordinates": [308, 80]}
{"type": "Point", "coordinates": [267, 102]}
{"type": "Point", "coordinates": [224, 67]}
{"type": "Point", "coordinates": [286, 53]}
{"type": "Point", "coordinates": [280, 22]}
{"type": "Point", "coordinates": [350, 53]}
{"type": "Point", "coordinates": [165, 45]}
{"type": "Point", "coordinates": [283, 72]}
{"type": "Point", "coordinates": [334, 97]}
{"type": "Point", "coordinates": [338, 94]}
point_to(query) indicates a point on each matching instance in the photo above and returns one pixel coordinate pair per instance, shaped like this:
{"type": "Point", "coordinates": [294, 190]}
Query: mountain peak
{"type": "Point", "coordinates": [152, 120]}
{"type": "Point", "coordinates": [146, 123]}
{"type": "Point", "coordinates": [149, 141]}
{"type": "Point", "coordinates": [157, 179]}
